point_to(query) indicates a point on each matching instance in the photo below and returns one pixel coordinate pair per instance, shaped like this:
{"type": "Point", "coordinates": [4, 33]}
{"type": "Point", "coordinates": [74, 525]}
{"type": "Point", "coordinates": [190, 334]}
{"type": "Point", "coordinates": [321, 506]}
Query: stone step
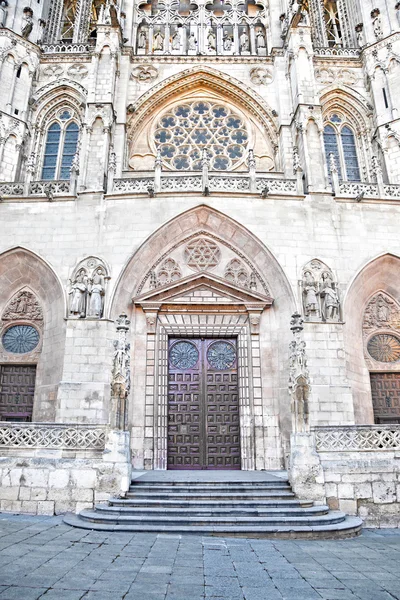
{"type": "Point", "coordinates": [348, 527]}
{"type": "Point", "coordinates": [229, 521]}
{"type": "Point", "coordinates": [210, 485]}
{"type": "Point", "coordinates": [147, 502]}
{"type": "Point", "coordinates": [214, 511]}
{"type": "Point", "coordinates": [156, 495]}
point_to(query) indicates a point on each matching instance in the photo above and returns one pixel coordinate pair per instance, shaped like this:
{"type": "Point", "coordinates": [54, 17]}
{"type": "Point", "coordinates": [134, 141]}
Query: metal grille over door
{"type": "Point", "coordinates": [17, 388]}
{"type": "Point", "coordinates": [385, 389]}
{"type": "Point", "coordinates": [203, 404]}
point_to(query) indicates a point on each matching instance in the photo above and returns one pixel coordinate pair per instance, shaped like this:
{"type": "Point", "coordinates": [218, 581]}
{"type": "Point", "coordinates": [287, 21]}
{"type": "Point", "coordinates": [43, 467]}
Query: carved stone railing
{"type": "Point", "coordinates": [11, 189]}
{"type": "Point", "coordinates": [52, 436]}
{"type": "Point", "coordinates": [357, 438]}
{"type": "Point", "coordinates": [392, 191]}
{"type": "Point", "coordinates": [66, 48]}
{"type": "Point", "coordinates": [354, 188]}
{"type": "Point", "coordinates": [217, 182]}
{"type": "Point", "coordinates": [43, 188]}
{"type": "Point", "coordinates": [349, 52]}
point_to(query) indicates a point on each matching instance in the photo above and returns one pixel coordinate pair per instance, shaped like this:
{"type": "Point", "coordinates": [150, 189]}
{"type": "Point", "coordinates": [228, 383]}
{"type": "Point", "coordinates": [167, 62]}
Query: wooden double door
{"type": "Point", "coordinates": [17, 389]}
{"type": "Point", "coordinates": [203, 404]}
{"type": "Point", "coordinates": [385, 389]}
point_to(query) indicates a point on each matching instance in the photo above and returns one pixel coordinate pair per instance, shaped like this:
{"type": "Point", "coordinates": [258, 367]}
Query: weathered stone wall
{"type": "Point", "coordinates": [366, 484]}
{"type": "Point", "coordinates": [52, 486]}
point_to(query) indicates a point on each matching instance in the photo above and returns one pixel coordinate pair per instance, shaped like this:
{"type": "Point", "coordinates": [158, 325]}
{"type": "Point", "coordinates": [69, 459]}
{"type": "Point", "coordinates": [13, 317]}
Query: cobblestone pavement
{"type": "Point", "coordinates": [40, 557]}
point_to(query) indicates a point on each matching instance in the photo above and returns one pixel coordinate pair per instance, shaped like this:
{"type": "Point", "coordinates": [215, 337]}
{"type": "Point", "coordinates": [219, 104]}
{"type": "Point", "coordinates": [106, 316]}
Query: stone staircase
{"type": "Point", "coordinates": [206, 506]}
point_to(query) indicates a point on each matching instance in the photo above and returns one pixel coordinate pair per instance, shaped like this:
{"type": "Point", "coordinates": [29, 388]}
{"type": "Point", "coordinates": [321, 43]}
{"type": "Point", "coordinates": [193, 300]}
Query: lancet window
{"type": "Point", "coordinates": [68, 19]}
{"type": "Point", "coordinates": [186, 130]}
{"type": "Point", "coordinates": [340, 142]}
{"type": "Point", "coordinates": [333, 22]}
{"type": "Point", "coordinates": [234, 27]}
{"type": "Point", "coordinates": [60, 148]}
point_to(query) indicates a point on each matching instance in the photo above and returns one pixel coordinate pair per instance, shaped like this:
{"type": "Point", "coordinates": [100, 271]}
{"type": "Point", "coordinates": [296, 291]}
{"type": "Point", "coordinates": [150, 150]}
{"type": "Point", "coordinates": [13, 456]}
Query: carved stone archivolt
{"type": "Point", "coordinates": [87, 289]}
{"type": "Point", "coordinates": [319, 293]}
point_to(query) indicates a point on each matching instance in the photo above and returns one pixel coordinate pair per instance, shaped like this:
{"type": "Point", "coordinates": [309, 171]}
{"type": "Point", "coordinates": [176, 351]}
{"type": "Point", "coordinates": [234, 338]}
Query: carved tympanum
{"type": "Point", "coordinates": [202, 253]}
{"type": "Point", "coordinates": [25, 306]}
{"type": "Point", "coordinates": [382, 312]}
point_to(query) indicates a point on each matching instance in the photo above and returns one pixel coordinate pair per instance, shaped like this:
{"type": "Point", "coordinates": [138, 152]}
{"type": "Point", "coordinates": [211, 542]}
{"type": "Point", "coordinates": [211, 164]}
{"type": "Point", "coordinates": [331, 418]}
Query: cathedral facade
{"type": "Point", "coordinates": [200, 250]}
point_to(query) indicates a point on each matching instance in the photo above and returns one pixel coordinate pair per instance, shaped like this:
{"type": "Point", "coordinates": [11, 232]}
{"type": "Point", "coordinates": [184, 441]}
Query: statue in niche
{"type": "Point", "coordinates": [227, 42]}
{"type": "Point", "coordinates": [260, 40]}
{"type": "Point", "coordinates": [330, 299]}
{"type": "Point", "coordinates": [142, 39]}
{"type": "Point", "coordinates": [360, 35]}
{"type": "Point", "coordinates": [377, 23]}
{"type": "Point", "coordinates": [3, 12]}
{"type": "Point", "coordinates": [96, 294]}
{"type": "Point", "coordinates": [192, 43]}
{"type": "Point", "coordinates": [244, 42]}
{"type": "Point", "coordinates": [28, 23]}
{"type": "Point", "coordinates": [176, 41]}
{"type": "Point", "coordinates": [212, 42]}
{"type": "Point", "coordinates": [310, 292]}
{"type": "Point", "coordinates": [78, 293]}
{"type": "Point", "coordinates": [158, 41]}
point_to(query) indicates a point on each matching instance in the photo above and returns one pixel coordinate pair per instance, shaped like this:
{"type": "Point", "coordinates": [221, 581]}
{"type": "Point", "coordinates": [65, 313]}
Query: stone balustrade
{"type": "Point", "coordinates": [357, 438]}
{"type": "Point", "coordinates": [66, 48]}
{"type": "Point", "coordinates": [54, 436]}
{"type": "Point", "coordinates": [332, 51]}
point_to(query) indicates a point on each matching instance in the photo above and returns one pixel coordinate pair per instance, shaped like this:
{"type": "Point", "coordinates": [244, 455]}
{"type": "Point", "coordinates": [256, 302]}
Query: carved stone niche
{"type": "Point", "coordinates": [381, 332]}
{"type": "Point", "coordinates": [319, 293]}
{"type": "Point", "coordinates": [87, 289]}
{"type": "Point", "coordinates": [21, 328]}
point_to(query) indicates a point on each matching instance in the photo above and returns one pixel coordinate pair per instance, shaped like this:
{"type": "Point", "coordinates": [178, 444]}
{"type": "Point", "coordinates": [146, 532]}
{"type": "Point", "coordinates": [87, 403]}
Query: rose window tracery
{"type": "Point", "coordinates": [384, 347]}
{"type": "Point", "coordinates": [202, 254]}
{"type": "Point", "coordinates": [183, 133]}
{"type": "Point", "coordinates": [20, 339]}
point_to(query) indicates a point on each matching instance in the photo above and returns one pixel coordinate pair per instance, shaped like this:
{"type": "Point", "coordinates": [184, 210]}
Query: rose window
{"type": "Point", "coordinates": [183, 133]}
{"type": "Point", "coordinates": [384, 347]}
{"type": "Point", "coordinates": [20, 339]}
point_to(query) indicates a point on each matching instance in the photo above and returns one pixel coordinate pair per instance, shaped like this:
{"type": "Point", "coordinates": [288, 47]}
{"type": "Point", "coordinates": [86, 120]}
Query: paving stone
{"type": "Point", "coordinates": [20, 593]}
{"type": "Point", "coordinates": [63, 594]}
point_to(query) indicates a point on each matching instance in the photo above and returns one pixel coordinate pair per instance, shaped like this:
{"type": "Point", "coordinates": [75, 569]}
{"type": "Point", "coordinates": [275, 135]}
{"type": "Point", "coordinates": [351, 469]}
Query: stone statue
{"type": "Point", "coordinates": [360, 35]}
{"type": "Point", "coordinates": [142, 39]}
{"type": "Point", "coordinates": [397, 7]}
{"type": "Point", "coordinates": [310, 295]}
{"type": "Point", "coordinates": [330, 299]}
{"type": "Point", "coordinates": [377, 23]}
{"type": "Point", "coordinates": [192, 43]}
{"type": "Point", "coordinates": [158, 41]}
{"type": "Point", "coordinates": [228, 42]}
{"type": "Point", "coordinates": [211, 39]}
{"type": "Point", "coordinates": [96, 295]}
{"type": "Point", "coordinates": [78, 293]}
{"type": "Point", "coordinates": [244, 42]}
{"type": "Point", "coordinates": [3, 12]}
{"type": "Point", "coordinates": [28, 26]}
{"type": "Point", "coordinates": [299, 380]}
{"type": "Point", "coordinates": [260, 40]}
{"type": "Point", "coordinates": [176, 41]}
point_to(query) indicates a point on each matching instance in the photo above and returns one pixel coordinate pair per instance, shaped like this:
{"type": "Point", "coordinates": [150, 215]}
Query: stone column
{"type": "Point", "coordinates": [121, 375]}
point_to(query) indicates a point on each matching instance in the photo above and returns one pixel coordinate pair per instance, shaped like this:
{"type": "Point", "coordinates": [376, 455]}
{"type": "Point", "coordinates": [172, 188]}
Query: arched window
{"type": "Point", "coordinates": [339, 140]}
{"type": "Point", "coordinates": [61, 144]}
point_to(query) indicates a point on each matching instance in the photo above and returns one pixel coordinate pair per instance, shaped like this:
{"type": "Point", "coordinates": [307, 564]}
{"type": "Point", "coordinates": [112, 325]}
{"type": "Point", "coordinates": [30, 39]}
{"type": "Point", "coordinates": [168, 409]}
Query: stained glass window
{"type": "Point", "coordinates": [20, 339]}
{"type": "Point", "coordinates": [340, 141]}
{"type": "Point", "coordinates": [60, 148]}
{"type": "Point", "coordinates": [186, 130]}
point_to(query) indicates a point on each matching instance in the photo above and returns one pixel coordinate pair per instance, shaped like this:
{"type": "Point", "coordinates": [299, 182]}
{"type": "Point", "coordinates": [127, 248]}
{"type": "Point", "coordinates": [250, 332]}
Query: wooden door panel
{"type": "Point", "coordinates": [203, 405]}
{"type": "Point", "coordinates": [17, 388]}
{"type": "Point", "coordinates": [385, 388]}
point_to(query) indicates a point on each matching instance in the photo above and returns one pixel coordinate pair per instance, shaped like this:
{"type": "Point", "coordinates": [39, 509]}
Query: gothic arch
{"type": "Point", "coordinates": [381, 273]}
{"type": "Point", "coordinates": [344, 100]}
{"type": "Point", "coordinates": [21, 268]}
{"type": "Point", "coordinates": [208, 79]}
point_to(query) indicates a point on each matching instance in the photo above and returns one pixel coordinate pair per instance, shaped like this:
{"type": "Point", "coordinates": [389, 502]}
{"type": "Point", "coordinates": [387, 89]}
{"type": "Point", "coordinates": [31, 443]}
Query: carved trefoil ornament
{"type": "Point", "coordinates": [319, 293]}
{"type": "Point", "coordinates": [23, 306]}
{"type": "Point", "coordinates": [299, 380]}
{"type": "Point", "coordinates": [168, 272]}
{"type": "Point", "coordinates": [120, 374]}
{"type": "Point", "coordinates": [238, 274]}
{"type": "Point", "coordinates": [87, 289]}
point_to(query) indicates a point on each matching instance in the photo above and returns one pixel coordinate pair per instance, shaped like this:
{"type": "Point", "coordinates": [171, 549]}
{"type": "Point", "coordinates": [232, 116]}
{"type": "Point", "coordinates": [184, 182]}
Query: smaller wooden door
{"type": "Point", "coordinates": [17, 388]}
{"type": "Point", "coordinates": [203, 404]}
{"type": "Point", "coordinates": [385, 389]}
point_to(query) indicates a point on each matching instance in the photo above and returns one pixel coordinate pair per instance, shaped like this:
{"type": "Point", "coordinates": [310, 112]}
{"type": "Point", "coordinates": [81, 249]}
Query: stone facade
{"type": "Point", "coordinates": [205, 170]}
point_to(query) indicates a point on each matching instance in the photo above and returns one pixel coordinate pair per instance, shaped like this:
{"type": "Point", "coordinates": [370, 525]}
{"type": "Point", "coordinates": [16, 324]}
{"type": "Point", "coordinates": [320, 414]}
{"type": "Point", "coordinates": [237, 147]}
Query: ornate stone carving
{"type": "Point", "coordinates": [3, 12]}
{"type": "Point", "coordinates": [299, 381]}
{"type": "Point", "coordinates": [145, 73]}
{"type": "Point", "coordinates": [52, 435]}
{"type": "Point", "coordinates": [237, 273]}
{"type": "Point", "coordinates": [357, 438]}
{"type": "Point", "coordinates": [23, 306]}
{"type": "Point", "coordinates": [168, 272]}
{"type": "Point", "coordinates": [121, 374]}
{"type": "Point", "coordinates": [88, 288]}
{"type": "Point", "coordinates": [319, 293]}
{"type": "Point", "coordinates": [27, 23]}
{"type": "Point", "coordinates": [382, 312]}
{"type": "Point", "coordinates": [377, 23]}
{"type": "Point", "coordinates": [260, 76]}
{"type": "Point", "coordinates": [77, 71]}
{"type": "Point", "coordinates": [53, 71]}
{"type": "Point", "coordinates": [202, 254]}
